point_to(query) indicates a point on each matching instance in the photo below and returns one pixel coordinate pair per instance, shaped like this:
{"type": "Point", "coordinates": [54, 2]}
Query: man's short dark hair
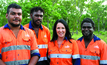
{"type": "Point", "coordinates": [88, 20]}
{"type": "Point", "coordinates": [13, 5]}
{"type": "Point", "coordinates": [35, 9]}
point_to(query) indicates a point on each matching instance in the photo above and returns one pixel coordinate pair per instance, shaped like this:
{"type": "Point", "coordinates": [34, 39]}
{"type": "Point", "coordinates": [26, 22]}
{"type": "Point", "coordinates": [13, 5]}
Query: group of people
{"type": "Point", "coordinates": [31, 45]}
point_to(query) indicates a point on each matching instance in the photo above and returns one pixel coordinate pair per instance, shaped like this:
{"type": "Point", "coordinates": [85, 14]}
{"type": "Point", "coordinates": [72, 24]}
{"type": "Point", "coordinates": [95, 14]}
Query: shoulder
{"type": "Point", "coordinates": [51, 43]}
{"type": "Point", "coordinates": [26, 25]}
{"type": "Point", "coordinates": [73, 41]}
{"type": "Point", "coordinates": [2, 29]}
{"type": "Point", "coordinates": [28, 30]}
{"type": "Point", "coordinates": [101, 42]}
{"type": "Point", "coordinates": [45, 28]}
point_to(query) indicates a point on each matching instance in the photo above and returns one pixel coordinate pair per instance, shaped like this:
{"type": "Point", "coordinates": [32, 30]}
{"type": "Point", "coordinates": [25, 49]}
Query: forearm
{"type": "Point", "coordinates": [33, 60]}
{"type": "Point", "coordinates": [2, 63]}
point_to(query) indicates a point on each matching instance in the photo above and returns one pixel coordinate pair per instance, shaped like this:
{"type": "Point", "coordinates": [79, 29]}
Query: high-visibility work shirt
{"type": "Point", "coordinates": [94, 54]}
{"type": "Point", "coordinates": [42, 40]}
{"type": "Point", "coordinates": [65, 54]}
{"type": "Point", "coordinates": [17, 51]}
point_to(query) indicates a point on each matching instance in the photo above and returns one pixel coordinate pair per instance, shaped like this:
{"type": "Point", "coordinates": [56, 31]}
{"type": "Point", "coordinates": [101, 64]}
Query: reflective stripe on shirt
{"type": "Point", "coordinates": [34, 51]}
{"type": "Point", "coordinates": [60, 55]}
{"type": "Point", "coordinates": [90, 57]}
{"type": "Point", "coordinates": [42, 46]}
{"type": "Point", "coordinates": [103, 61]}
{"type": "Point", "coordinates": [19, 47]}
{"type": "Point", "coordinates": [42, 58]}
{"type": "Point", "coordinates": [76, 56]}
{"type": "Point", "coordinates": [18, 62]}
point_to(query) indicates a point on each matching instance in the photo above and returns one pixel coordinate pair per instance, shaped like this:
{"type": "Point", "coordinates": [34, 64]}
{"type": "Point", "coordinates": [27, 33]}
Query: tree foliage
{"type": "Point", "coordinates": [73, 11]}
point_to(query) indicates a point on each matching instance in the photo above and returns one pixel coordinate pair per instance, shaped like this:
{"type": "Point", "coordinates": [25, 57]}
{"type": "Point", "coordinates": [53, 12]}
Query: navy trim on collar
{"type": "Point", "coordinates": [65, 38]}
{"type": "Point", "coordinates": [31, 27]}
{"type": "Point", "coordinates": [7, 26]}
{"type": "Point", "coordinates": [80, 38]}
{"type": "Point", "coordinates": [95, 38]}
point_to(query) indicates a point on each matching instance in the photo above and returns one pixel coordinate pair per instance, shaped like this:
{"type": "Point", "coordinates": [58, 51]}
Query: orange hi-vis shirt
{"type": "Point", "coordinates": [65, 54]}
{"type": "Point", "coordinates": [94, 54]}
{"type": "Point", "coordinates": [42, 40]}
{"type": "Point", "coordinates": [17, 51]}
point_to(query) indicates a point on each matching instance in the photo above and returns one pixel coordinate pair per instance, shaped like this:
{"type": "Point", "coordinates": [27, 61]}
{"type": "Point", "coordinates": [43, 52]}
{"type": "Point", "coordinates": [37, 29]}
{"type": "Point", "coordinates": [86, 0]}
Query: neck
{"type": "Point", "coordinates": [60, 39]}
{"type": "Point", "coordinates": [89, 38]}
{"type": "Point", "coordinates": [14, 28]}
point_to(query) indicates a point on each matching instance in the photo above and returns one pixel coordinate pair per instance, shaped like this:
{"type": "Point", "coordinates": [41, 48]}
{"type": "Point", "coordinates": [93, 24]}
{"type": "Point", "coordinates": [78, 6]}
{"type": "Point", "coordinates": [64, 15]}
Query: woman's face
{"type": "Point", "coordinates": [60, 30]}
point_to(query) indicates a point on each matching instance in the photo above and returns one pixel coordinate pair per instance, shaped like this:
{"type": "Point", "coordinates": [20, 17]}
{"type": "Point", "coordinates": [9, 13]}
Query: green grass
{"type": "Point", "coordinates": [101, 35]}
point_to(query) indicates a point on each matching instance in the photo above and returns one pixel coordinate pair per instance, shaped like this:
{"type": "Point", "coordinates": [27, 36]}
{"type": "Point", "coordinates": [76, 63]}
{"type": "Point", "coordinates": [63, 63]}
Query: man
{"type": "Point", "coordinates": [92, 49]}
{"type": "Point", "coordinates": [41, 32]}
{"type": "Point", "coordinates": [17, 44]}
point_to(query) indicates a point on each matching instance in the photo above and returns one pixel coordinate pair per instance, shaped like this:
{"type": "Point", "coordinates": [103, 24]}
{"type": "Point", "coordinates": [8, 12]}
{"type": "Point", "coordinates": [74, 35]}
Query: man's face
{"type": "Point", "coordinates": [87, 29]}
{"type": "Point", "coordinates": [37, 18]}
{"type": "Point", "coordinates": [14, 17]}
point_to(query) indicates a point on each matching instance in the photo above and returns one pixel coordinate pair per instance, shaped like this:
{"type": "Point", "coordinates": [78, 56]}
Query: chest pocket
{"type": "Point", "coordinates": [26, 39]}
{"type": "Point", "coordinates": [95, 50]}
{"type": "Point", "coordinates": [44, 37]}
{"type": "Point", "coordinates": [67, 49]}
{"type": "Point", "coordinates": [52, 50]}
{"type": "Point", "coordinates": [7, 41]}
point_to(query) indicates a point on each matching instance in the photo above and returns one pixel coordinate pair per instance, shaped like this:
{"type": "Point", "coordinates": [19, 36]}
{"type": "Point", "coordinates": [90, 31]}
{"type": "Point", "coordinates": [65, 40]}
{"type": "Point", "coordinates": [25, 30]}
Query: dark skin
{"type": "Point", "coordinates": [87, 31]}
{"type": "Point", "coordinates": [36, 21]}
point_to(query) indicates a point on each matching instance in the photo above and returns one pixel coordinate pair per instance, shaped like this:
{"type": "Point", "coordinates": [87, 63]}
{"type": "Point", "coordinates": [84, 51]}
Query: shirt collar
{"type": "Point", "coordinates": [64, 38]}
{"type": "Point", "coordinates": [31, 27]}
{"type": "Point", "coordinates": [7, 26]}
{"type": "Point", "coordinates": [95, 38]}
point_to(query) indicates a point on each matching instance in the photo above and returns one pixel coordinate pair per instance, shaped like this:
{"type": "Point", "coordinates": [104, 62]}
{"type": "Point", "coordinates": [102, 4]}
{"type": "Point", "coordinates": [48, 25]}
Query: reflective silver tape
{"type": "Point", "coordinates": [42, 46]}
{"type": "Point", "coordinates": [18, 47]}
{"type": "Point", "coordinates": [60, 55]}
{"type": "Point", "coordinates": [18, 62]}
{"type": "Point", "coordinates": [103, 62]}
{"type": "Point", "coordinates": [76, 56]}
{"type": "Point", "coordinates": [89, 57]}
{"type": "Point", "coordinates": [34, 51]}
{"type": "Point", "coordinates": [42, 58]}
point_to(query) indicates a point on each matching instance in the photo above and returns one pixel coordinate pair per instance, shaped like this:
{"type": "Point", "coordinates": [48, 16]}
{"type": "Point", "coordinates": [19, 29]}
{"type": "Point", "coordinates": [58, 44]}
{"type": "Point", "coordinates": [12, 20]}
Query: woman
{"type": "Point", "coordinates": [63, 50]}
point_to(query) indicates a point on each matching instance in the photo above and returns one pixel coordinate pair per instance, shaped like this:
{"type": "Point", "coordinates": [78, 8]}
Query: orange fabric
{"type": "Point", "coordinates": [9, 41]}
{"type": "Point", "coordinates": [95, 49]}
{"type": "Point", "coordinates": [66, 48]}
{"type": "Point", "coordinates": [43, 39]}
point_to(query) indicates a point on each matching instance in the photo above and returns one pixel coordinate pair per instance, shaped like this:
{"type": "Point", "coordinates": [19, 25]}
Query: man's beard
{"type": "Point", "coordinates": [88, 36]}
{"type": "Point", "coordinates": [15, 25]}
{"type": "Point", "coordinates": [34, 22]}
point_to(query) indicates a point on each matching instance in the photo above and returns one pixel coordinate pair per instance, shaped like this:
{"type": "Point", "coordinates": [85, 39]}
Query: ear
{"type": "Point", "coordinates": [6, 15]}
{"type": "Point", "coordinates": [31, 15]}
{"type": "Point", "coordinates": [93, 28]}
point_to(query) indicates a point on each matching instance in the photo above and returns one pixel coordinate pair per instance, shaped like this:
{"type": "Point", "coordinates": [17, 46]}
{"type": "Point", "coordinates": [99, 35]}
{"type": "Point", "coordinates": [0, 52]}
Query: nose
{"type": "Point", "coordinates": [86, 28]}
{"type": "Point", "coordinates": [16, 15]}
{"type": "Point", "coordinates": [39, 17]}
{"type": "Point", "coordinates": [60, 30]}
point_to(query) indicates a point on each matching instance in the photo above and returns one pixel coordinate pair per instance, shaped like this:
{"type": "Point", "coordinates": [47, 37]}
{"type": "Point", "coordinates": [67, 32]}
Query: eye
{"type": "Point", "coordinates": [12, 13]}
{"type": "Point", "coordinates": [19, 14]}
{"type": "Point", "coordinates": [63, 28]}
{"type": "Point", "coordinates": [39, 15]}
{"type": "Point", "coordinates": [58, 27]}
